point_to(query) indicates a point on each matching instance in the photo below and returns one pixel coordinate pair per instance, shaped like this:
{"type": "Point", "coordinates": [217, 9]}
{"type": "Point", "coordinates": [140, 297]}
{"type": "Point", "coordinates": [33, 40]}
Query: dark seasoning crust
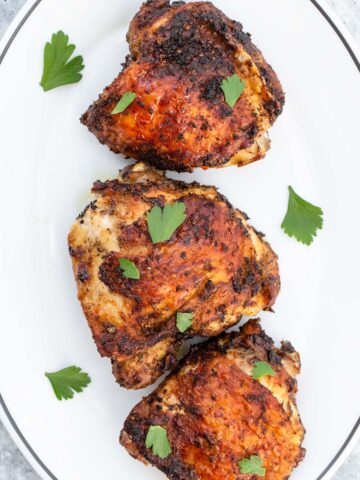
{"type": "Point", "coordinates": [200, 210]}
{"type": "Point", "coordinates": [188, 53]}
{"type": "Point", "coordinates": [183, 63]}
{"type": "Point", "coordinates": [197, 417]}
{"type": "Point", "coordinates": [199, 227]}
{"type": "Point", "coordinates": [209, 267]}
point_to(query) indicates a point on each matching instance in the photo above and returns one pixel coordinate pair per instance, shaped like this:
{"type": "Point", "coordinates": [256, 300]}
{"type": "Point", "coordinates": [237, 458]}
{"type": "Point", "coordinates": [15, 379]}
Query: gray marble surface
{"type": "Point", "coordinates": [13, 465]}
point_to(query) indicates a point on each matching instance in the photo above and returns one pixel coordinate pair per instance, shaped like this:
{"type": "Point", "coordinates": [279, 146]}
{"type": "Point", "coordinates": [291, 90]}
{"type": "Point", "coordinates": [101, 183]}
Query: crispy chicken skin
{"type": "Point", "coordinates": [215, 265]}
{"type": "Point", "coordinates": [215, 414]}
{"type": "Point", "coordinates": [180, 53]}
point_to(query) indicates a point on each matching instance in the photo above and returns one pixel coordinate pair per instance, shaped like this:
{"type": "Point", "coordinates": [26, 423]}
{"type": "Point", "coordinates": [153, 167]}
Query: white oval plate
{"type": "Point", "coordinates": [49, 162]}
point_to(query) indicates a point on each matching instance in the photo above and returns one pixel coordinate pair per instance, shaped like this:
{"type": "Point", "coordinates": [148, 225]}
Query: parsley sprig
{"type": "Point", "coordinates": [124, 102]}
{"type": "Point", "coordinates": [129, 269]}
{"type": "Point", "coordinates": [261, 369]}
{"type": "Point", "coordinates": [67, 381]}
{"type": "Point", "coordinates": [252, 466]}
{"type": "Point", "coordinates": [184, 321]}
{"type": "Point", "coordinates": [302, 219]}
{"type": "Point", "coordinates": [58, 68]}
{"type": "Point", "coordinates": [157, 439]}
{"type": "Point", "coordinates": [162, 222]}
{"type": "Point", "coordinates": [233, 88]}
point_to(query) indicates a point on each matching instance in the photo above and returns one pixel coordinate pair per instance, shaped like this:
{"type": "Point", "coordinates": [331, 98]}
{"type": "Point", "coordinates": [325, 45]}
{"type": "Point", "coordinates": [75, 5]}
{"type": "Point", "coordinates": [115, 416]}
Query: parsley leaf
{"type": "Point", "coordinates": [129, 269]}
{"type": "Point", "coordinates": [261, 369]}
{"type": "Point", "coordinates": [232, 87]}
{"type": "Point", "coordinates": [302, 219]}
{"type": "Point", "coordinates": [162, 222]}
{"type": "Point", "coordinates": [184, 320]}
{"type": "Point", "coordinates": [65, 381]}
{"type": "Point", "coordinates": [124, 102]}
{"type": "Point", "coordinates": [252, 466]}
{"type": "Point", "coordinates": [57, 69]}
{"type": "Point", "coordinates": [158, 440]}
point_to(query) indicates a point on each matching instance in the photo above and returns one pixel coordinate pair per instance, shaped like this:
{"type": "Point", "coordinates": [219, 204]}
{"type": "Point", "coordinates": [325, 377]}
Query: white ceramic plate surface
{"type": "Point", "coordinates": [48, 163]}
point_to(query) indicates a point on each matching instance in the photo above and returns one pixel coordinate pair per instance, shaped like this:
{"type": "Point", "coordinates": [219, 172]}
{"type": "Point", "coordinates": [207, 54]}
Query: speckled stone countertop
{"type": "Point", "coordinates": [13, 465]}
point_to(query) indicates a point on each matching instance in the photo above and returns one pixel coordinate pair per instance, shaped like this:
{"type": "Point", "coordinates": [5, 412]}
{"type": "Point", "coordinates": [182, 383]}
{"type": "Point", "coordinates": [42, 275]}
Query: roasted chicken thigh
{"type": "Point", "coordinates": [180, 54]}
{"type": "Point", "coordinates": [214, 266]}
{"type": "Point", "coordinates": [219, 419]}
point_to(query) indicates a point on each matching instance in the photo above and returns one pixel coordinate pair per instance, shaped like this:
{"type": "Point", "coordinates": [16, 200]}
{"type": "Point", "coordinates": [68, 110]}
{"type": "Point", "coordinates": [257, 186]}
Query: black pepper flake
{"type": "Point", "coordinates": [83, 274]}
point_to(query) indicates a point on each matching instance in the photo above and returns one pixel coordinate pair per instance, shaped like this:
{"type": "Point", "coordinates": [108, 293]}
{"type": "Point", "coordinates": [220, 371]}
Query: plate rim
{"type": "Point", "coordinates": [7, 419]}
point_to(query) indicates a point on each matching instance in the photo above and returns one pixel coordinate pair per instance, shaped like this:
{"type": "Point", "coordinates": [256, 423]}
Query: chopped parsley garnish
{"type": "Point", "coordinates": [67, 381]}
{"type": "Point", "coordinates": [184, 320]}
{"type": "Point", "coordinates": [162, 222]}
{"type": "Point", "coordinates": [252, 466]}
{"type": "Point", "coordinates": [233, 88]}
{"type": "Point", "coordinates": [157, 439]}
{"type": "Point", "coordinates": [129, 269]}
{"type": "Point", "coordinates": [124, 102]}
{"type": "Point", "coordinates": [261, 369]}
{"type": "Point", "coordinates": [302, 219]}
{"type": "Point", "coordinates": [58, 68]}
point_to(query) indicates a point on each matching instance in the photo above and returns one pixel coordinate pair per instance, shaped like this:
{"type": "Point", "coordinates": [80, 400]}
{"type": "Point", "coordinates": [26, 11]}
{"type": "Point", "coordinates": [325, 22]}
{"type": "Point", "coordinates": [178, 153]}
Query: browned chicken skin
{"type": "Point", "coordinates": [215, 265]}
{"type": "Point", "coordinates": [215, 414]}
{"type": "Point", "coordinates": [180, 53]}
